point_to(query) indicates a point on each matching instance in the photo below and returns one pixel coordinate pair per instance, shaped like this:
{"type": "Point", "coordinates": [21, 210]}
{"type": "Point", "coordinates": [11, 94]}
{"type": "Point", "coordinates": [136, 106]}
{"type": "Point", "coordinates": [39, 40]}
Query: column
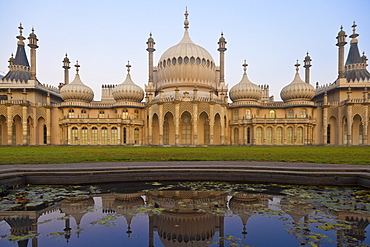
{"type": "Point", "coordinates": [68, 135]}
{"type": "Point", "coordinates": [10, 125]}
{"type": "Point", "coordinates": [211, 123]}
{"type": "Point", "coordinates": [195, 124]}
{"type": "Point", "coordinates": [365, 124]}
{"type": "Point", "coordinates": [160, 122]}
{"type": "Point", "coordinates": [48, 126]}
{"type": "Point", "coordinates": [24, 125]}
{"type": "Point", "coordinates": [150, 126]}
{"type": "Point", "coordinates": [325, 124]}
{"type": "Point", "coordinates": [349, 125]}
{"type": "Point", "coordinates": [177, 124]}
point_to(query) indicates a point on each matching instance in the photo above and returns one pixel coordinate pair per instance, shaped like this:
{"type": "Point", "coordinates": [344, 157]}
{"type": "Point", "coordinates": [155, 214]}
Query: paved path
{"type": "Point", "coordinates": [246, 171]}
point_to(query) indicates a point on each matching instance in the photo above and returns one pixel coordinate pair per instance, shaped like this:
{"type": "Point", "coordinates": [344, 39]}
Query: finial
{"type": "Point", "coordinates": [186, 22]}
{"type": "Point", "coordinates": [245, 67]}
{"type": "Point", "coordinates": [128, 67]}
{"type": "Point", "coordinates": [66, 54]}
{"type": "Point", "coordinates": [20, 36]}
{"type": "Point", "coordinates": [297, 66]}
{"type": "Point", "coordinates": [222, 33]}
{"type": "Point", "coordinates": [12, 55]}
{"type": "Point", "coordinates": [150, 34]}
{"type": "Point", "coordinates": [33, 30]}
{"type": "Point", "coordinates": [341, 27]}
{"type": "Point", "coordinates": [77, 67]}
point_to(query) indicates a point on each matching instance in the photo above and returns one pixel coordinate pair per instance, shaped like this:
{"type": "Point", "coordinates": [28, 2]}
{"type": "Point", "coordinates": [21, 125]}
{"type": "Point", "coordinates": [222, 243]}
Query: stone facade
{"type": "Point", "coordinates": [186, 104]}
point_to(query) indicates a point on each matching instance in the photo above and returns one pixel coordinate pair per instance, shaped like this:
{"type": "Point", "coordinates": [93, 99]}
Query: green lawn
{"type": "Point", "coordinates": [76, 154]}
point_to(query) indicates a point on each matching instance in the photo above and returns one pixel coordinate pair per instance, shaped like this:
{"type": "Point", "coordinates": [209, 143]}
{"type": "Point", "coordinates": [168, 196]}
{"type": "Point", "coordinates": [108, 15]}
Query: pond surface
{"type": "Point", "coordinates": [184, 214]}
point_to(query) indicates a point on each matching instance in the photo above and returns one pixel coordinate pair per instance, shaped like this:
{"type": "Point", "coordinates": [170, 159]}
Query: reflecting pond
{"type": "Point", "coordinates": [184, 214]}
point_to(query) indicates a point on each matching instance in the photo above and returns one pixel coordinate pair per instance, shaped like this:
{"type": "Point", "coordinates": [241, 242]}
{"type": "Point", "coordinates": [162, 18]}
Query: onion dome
{"type": "Point", "coordinates": [245, 89]}
{"type": "Point", "coordinates": [297, 89]}
{"type": "Point", "coordinates": [186, 64]}
{"type": "Point", "coordinates": [128, 90]}
{"type": "Point", "coordinates": [76, 90]}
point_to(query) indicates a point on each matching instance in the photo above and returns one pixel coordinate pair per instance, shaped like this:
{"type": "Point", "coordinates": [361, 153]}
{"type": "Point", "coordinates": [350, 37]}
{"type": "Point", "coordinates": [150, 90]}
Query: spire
{"type": "Point", "coordinates": [245, 67]}
{"type": "Point", "coordinates": [186, 22]}
{"type": "Point", "coordinates": [77, 67]}
{"type": "Point", "coordinates": [354, 35]}
{"type": "Point", "coordinates": [20, 36]}
{"type": "Point", "coordinates": [297, 67]}
{"type": "Point", "coordinates": [128, 67]}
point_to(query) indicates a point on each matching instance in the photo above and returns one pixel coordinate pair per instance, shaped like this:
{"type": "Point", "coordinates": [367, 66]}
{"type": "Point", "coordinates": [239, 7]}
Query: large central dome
{"type": "Point", "coordinates": [186, 65]}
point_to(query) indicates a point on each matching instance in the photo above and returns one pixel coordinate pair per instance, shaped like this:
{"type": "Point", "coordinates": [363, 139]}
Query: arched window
{"type": "Point", "coordinates": [206, 131]}
{"type": "Point", "coordinates": [303, 113]}
{"type": "Point", "coordinates": [84, 135]}
{"type": "Point", "coordinates": [345, 133]}
{"type": "Point", "coordinates": [168, 62]}
{"type": "Point", "coordinates": [269, 135]}
{"type": "Point", "coordinates": [45, 134]}
{"type": "Point", "coordinates": [137, 135]}
{"type": "Point", "coordinates": [101, 114]}
{"type": "Point", "coordinates": [179, 60]}
{"type": "Point", "coordinates": [136, 114]}
{"type": "Point", "coordinates": [71, 113]}
{"type": "Point", "coordinates": [272, 114]}
{"type": "Point", "coordinates": [300, 135]}
{"type": "Point", "coordinates": [248, 113]}
{"type": "Point", "coordinates": [83, 113]}
{"type": "Point", "coordinates": [186, 128]}
{"type": "Point", "coordinates": [114, 135]}
{"type": "Point", "coordinates": [166, 131]}
{"type": "Point", "coordinates": [173, 61]}
{"type": "Point", "coordinates": [74, 135]}
{"type": "Point", "coordinates": [279, 135]}
{"type": "Point", "coordinates": [236, 114]}
{"type": "Point", "coordinates": [236, 136]}
{"type": "Point", "coordinates": [94, 135]}
{"type": "Point", "coordinates": [290, 135]}
{"type": "Point", "coordinates": [124, 135]}
{"type": "Point", "coordinates": [104, 135]}
{"type": "Point", "coordinates": [198, 60]}
{"type": "Point", "coordinates": [186, 60]}
{"type": "Point", "coordinates": [125, 114]}
{"type": "Point", "coordinates": [259, 135]}
{"type": "Point", "coordinates": [203, 62]}
{"type": "Point", "coordinates": [248, 135]}
{"type": "Point", "coordinates": [192, 60]}
{"type": "Point", "coordinates": [291, 113]}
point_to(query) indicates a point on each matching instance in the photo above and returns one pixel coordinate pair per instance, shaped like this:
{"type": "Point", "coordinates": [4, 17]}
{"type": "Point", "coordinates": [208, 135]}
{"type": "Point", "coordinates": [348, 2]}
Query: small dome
{"type": "Point", "coordinates": [77, 90]}
{"type": "Point", "coordinates": [297, 89]}
{"type": "Point", "coordinates": [128, 90]}
{"type": "Point", "coordinates": [245, 89]}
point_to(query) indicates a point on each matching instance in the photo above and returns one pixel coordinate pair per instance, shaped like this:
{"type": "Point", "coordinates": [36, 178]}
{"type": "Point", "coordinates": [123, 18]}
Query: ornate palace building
{"type": "Point", "coordinates": [186, 102]}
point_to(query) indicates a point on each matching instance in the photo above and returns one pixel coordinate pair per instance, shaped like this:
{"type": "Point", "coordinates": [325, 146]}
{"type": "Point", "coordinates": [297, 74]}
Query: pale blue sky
{"type": "Point", "coordinates": [103, 35]}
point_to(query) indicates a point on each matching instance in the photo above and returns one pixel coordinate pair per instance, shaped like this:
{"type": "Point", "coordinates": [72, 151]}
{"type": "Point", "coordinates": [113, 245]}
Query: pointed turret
{"type": "Point", "coordinates": [33, 45]}
{"type": "Point", "coordinates": [355, 68]}
{"type": "Point", "coordinates": [150, 88]}
{"type": "Point", "coordinates": [19, 68]}
{"type": "Point", "coordinates": [66, 68]}
{"type": "Point", "coordinates": [341, 38]}
{"type": "Point", "coordinates": [307, 64]}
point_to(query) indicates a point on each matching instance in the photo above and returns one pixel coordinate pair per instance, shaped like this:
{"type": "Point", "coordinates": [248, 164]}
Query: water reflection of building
{"type": "Point", "coordinates": [245, 205]}
{"type": "Point", "coordinates": [24, 223]}
{"type": "Point", "coordinates": [187, 218]}
{"type": "Point", "coordinates": [75, 207]}
{"type": "Point", "coordinates": [359, 222]}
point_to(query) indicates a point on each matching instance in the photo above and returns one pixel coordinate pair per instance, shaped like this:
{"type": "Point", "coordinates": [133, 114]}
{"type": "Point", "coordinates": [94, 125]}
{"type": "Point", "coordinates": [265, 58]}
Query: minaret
{"type": "Point", "coordinates": [222, 48]}
{"type": "Point", "coordinates": [341, 43]}
{"type": "Point", "coordinates": [307, 64]}
{"type": "Point", "coordinates": [150, 50]}
{"type": "Point", "coordinates": [33, 45]}
{"type": "Point", "coordinates": [66, 68]}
